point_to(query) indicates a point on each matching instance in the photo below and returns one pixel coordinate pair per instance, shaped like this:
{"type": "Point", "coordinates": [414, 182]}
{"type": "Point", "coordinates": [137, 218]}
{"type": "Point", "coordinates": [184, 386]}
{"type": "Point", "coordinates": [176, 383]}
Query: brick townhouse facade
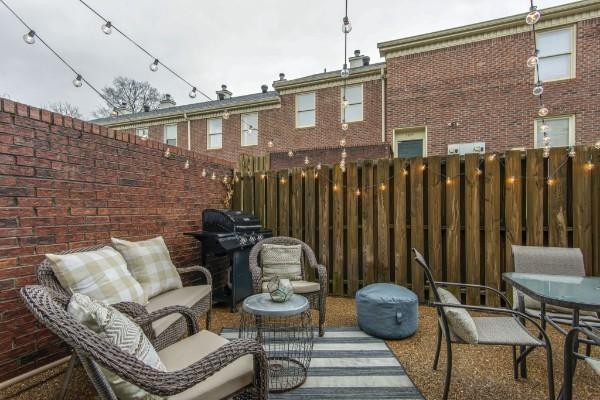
{"type": "Point", "coordinates": [465, 89]}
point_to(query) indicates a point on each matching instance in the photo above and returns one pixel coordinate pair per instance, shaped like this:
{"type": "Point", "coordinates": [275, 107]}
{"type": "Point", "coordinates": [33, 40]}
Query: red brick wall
{"type": "Point", "coordinates": [486, 87]}
{"type": "Point", "coordinates": [64, 184]}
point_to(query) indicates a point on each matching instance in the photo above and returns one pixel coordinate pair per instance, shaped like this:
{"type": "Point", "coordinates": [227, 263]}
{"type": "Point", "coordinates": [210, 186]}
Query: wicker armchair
{"type": "Point", "coordinates": [185, 380]}
{"type": "Point", "coordinates": [318, 297]}
{"type": "Point", "coordinates": [502, 331]}
{"type": "Point", "coordinates": [572, 354]}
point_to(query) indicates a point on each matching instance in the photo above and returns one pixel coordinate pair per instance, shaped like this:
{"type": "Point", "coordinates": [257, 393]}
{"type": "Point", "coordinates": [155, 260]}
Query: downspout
{"type": "Point", "coordinates": [382, 104]}
{"type": "Point", "coordinates": [189, 133]}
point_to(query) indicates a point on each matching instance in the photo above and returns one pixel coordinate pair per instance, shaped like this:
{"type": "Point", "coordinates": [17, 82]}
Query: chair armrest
{"type": "Point", "coordinates": [171, 383]}
{"type": "Point", "coordinates": [256, 273]}
{"type": "Point", "coordinates": [189, 315]}
{"type": "Point", "coordinates": [131, 309]}
{"type": "Point", "coordinates": [472, 285]}
{"type": "Point", "coordinates": [197, 268]}
{"type": "Point", "coordinates": [494, 310]}
{"type": "Point", "coordinates": [323, 279]}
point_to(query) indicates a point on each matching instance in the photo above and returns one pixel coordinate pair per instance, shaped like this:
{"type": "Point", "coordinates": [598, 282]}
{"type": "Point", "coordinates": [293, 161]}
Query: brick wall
{"type": "Point", "coordinates": [64, 184]}
{"type": "Point", "coordinates": [486, 88]}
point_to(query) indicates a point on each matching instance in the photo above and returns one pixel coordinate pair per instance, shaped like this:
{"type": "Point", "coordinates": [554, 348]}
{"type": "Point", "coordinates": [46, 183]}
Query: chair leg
{"type": "Point", "coordinates": [437, 348]}
{"type": "Point", "coordinates": [208, 319]}
{"type": "Point", "coordinates": [550, 368]}
{"type": "Point", "coordinates": [515, 365]}
{"type": "Point", "coordinates": [322, 309]}
{"type": "Point", "coordinates": [68, 375]}
{"type": "Point", "coordinates": [448, 369]}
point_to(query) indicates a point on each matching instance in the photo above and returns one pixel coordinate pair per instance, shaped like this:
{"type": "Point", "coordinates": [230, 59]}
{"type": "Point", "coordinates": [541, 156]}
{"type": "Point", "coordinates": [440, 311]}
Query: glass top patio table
{"type": "Point", "coordinates": [582, 293]}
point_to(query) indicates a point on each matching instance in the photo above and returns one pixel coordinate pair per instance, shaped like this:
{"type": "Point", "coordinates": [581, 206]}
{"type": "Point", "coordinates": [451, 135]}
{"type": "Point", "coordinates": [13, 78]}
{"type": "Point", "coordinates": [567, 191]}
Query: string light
{"type": "Point", "coordinates": [303, 174]}
{"type": "Point", "coordinates": [423, 167]}
{"type": "Point", "coordinates": [335, 187]}
{"type": "Point", "coordinates": [538, 89]}
{"type": "Point", "coordinates": [597, 145]}
{"type": "Point", "coordinates": [543, 111]}
{"type": "Point", "coordinates": [511, 180]}
{"type": "Point", "coordinates": [346, 25]}
{"type": "Point", "coordinates": [204, 173]}
{"type": "Point", "coordinates": [290, 154]}
{"type": "Point", "coordinates": [382, 187]}
{"type": "Point", "coordinates": [533, 17]}
{"type": "Point", "coordinates": [589, 165]}
{"type": "Point", "coordinates": [551, 181]}
{"type": "Point", "coordinates": [532, 61]}
{"type": "Point", "coordinates": [492, 157]}
{"type": "Point", "coordinates": [187, 164]}
{"type": "Point", "coordinates": [319, 166]}
{"type": "Point", "coordinates": [263, 176]}
{"type": "Point", "coordinates": [282, 180]}
{"type": "Point", "coordinates": [357, 192]}
{"type": "Point", "coordinates": [316, 174]}
{"type": "Point", "coordinates": [107, 28]}
{"type": "Point", "coordinates": [270, 143]}
{"type": "Point", "coordinates": [404, 171]}
{"type": "Point", "coordinates": [192, 93]}
{"type": "Point", "coordinates": [572, 152]}
{"type": "Point", "coordinates": [154, 66]}
{"type": "Point", "coordinates": [168, 152]}
{"type": "Point", "coordinates": [77, 82]}
{"type": "Point", "coordinates": [448, 181]}
{"type": "Point", "coordinates": [29, 37]}
{"type": "Point", "coordinates": [213, 176]}
{"type": "Point", "coordinates": [344, 126]}
{"type": "Point", "coordinates": [343, 142]}
{"type": "Point", "coordinates": [344, 154]}
{"type": "Point", "coordinates": [306, 160]}
{"type": "Point", "coordinates": [225, 114]}
{"type": "Point", "coordinates": [478, 171]}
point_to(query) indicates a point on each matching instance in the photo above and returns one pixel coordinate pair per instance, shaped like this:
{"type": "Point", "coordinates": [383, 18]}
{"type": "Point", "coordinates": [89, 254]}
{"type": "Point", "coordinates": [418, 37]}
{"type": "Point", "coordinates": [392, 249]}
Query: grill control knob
{"type": "Point", "coordinates": [259, 237]}
{"type": "Point", "coordinates": [252, 239]}
{"type": "Point", "coordinates": [243, 240]}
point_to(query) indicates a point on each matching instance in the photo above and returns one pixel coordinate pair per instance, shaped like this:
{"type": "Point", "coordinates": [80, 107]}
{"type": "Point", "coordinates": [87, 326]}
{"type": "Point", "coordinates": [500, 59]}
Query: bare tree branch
{"type": "Point", "coordinates": [134, 95]}
{"type": "Point", "coordinates": [64, 108]}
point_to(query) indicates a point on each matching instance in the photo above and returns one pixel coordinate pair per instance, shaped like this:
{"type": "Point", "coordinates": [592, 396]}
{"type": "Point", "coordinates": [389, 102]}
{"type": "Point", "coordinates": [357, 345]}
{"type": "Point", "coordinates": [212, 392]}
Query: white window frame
{"type": "Point", "coordinates": [313, 110]}
{"type": "Point", "coordinates": [165, 133]}
{"type": "Point", "coordinates": [571, 118]}
{"type": "Point", "coordinates": [243, 126]}
{"type": "Point", "coordinates": [362, 103]}
{"type": "Point", "coordinates": [143, 129]}
{"type": "Point", "coordinates": [573, 55]}
{"type": "Point", "coordinates": [209, 134]}
{"type": "Point", "coordinates": [410, 133]}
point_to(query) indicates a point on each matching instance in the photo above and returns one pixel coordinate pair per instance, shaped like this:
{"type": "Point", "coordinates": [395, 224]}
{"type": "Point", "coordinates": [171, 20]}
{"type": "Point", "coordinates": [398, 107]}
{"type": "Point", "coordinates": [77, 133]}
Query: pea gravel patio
{"type": "Point", "coordinates": [478, 373]}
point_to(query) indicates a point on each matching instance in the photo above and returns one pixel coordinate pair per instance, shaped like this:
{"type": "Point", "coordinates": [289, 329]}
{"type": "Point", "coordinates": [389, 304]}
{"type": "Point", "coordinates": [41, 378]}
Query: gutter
{"type": "Point", "coordinates": [383, 104]}
{"type": "Point", "coordinates": [189, 134]}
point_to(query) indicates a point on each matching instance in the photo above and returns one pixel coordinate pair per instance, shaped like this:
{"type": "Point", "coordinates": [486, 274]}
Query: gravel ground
{"type": "Point", "coordinates": [480, 372]}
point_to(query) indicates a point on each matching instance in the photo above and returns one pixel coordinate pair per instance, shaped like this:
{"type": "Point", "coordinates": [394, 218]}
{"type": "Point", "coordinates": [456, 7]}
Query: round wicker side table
{"type": "Point", "coordinates": [285, 331]}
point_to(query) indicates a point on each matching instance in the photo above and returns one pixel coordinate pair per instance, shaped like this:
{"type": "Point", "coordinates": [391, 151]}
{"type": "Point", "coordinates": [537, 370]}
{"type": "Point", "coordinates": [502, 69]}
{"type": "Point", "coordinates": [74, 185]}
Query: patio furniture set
{"type": "Point", "coordinates": [158, 349]}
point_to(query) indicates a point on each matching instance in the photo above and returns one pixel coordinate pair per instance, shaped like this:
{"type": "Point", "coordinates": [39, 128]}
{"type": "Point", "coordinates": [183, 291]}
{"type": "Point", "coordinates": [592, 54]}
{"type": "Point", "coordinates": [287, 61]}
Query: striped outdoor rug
{"type": "Point", "coordinates": [349, 364]}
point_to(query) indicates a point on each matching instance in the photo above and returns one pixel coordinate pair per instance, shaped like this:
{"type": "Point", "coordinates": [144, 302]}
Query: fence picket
{"type": "Point", "coordinates": [557, 198]}
{"type": "Point", "coordinates": [582, 216]}
{"type": "Point", "coordinates": [401, 250]}
{"type": "Point", "coordinates": [352, 228]}
{"type": "Point", "coordinates": [324, 219]}
{"type": "Point", "coordinates": [535, 197]}
{"type": "Point", "coordinates": [453, 230]}
{"type": "Point", "coordinates": [492, 268]}
{"type": "Point", "coordinates": [284, 201]}
{"type": "Point", "coordinates": [310, 212]}
{"type": "Point", "coordinates": [472, 227]}
{"type": "Point", "coordinates": [434, 216]}
{"type": "Point", "coordinates": [513, 205]}
{"type": "Point", "coordinates": [338, 231]}
{"type": "Point", "coordinates": [383, 218]}
{"type": "Point", "coordinates": [417, 239]}
{"type": "Point", "coordinates": [296, 203]}
{"type": "Point", "coordinates": [369, 241]}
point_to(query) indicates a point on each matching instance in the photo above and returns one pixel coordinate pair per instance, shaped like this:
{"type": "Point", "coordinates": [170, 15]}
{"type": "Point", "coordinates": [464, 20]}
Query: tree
{"type": "Point", "coordinates": [135, 95]}
{"type": "Point", "coordinates": [65, 108]}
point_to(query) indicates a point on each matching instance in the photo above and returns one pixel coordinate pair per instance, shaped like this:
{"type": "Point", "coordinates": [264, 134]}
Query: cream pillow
{"type": "Point", "coordinates": [101, 274]}
{"type": "Point", "coordinates": [119, 330]}
{"type": "Point", "coordinates": [282, 261]}
{"type": "Point", "coordinates": [459, 319]}
{"type": "Point", "coordinates": [150, 264]}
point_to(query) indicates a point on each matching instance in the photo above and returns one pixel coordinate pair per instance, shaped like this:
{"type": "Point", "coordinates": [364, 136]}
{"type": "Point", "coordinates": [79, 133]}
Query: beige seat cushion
{"type": "Point", "coordinates": [299, 287]}
{"type": "Point", "coordinates": [186, 296]}
{"type": "Point", "coordinates": [222, 384]}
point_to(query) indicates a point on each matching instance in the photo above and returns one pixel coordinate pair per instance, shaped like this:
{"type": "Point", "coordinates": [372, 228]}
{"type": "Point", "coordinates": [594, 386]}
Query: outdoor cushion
{"type": "Point", "coordinates": [186, 296]}
{"type": "Point", "coordinates": [281, 261]}
{"type": "Point", "coordinates": [150, 264]}
{"type": "Point", "coordinates": [460, 321]}
{"type": "Point", "coordinates": [387, 311]}
{"type": "Point", "coordinates": [299, 287]}
{"type": "Point", "coordinates": [235, 376]}
{"type": "Point", "coordinates": [119, 330]}
{"type": "Point", "coordinates": [101, 274]}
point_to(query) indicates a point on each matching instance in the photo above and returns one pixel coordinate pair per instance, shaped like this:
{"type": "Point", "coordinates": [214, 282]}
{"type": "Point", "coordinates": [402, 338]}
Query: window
{"type": "Point", "coordinates": [305, 110]}
{"type": "Point", "coordinates": [142, 132]}
{"type": "Point", "coordinates": [214, 139]}
{"type": "Point", "coordinates": [250, 129]}
{"type": "Point", "coordinates": [354, 111]}
{"type": "Point", "coordinates": [171, 135]}
{"type": "Point", "coordinates": [410, 142]}
{"type": "Point", "coordinates": [561, 132]}
{"type": "Point", "coordinates": [556, 58]}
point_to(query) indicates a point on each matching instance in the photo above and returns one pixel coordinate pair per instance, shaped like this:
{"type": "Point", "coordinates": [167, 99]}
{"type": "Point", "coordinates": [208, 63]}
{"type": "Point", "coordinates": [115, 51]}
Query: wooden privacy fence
{"type": "Point", "coordinates": [463, 214]}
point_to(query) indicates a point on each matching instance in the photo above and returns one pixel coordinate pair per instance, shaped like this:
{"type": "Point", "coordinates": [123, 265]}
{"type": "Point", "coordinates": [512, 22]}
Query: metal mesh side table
{"type": "Point", "coordinates": [285, 331]}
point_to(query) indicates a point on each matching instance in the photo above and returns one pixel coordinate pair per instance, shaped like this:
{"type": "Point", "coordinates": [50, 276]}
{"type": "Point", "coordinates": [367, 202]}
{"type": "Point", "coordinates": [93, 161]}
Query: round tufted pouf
{"type": "Point", "coordinates": [387, 311]}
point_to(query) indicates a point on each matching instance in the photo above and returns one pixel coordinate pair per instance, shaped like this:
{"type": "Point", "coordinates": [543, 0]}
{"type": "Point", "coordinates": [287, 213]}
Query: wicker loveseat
{"type": "Point", "coordinates": [201, 366]}
{"type": "Point", "coordinates": [315, 292]}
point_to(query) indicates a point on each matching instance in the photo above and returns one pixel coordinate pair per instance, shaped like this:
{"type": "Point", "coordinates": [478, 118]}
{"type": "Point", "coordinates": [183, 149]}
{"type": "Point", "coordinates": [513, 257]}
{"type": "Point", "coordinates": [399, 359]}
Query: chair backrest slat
{"type": "Point", "coordinates": [548, 260]}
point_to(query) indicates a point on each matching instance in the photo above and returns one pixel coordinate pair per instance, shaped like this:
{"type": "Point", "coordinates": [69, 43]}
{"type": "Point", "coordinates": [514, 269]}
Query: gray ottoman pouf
{"type": "Point", "coordinates": [387, 311]}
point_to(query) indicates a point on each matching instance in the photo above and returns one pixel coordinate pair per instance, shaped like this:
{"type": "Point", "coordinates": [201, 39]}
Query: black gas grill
{"type": "Point", "coordinates": [231, 233]}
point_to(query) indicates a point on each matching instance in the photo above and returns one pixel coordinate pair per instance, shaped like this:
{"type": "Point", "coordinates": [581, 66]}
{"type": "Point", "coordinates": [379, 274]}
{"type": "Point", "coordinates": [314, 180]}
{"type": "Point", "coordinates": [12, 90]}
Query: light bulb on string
{"type": "Point", "coordinates": [533, 17]}
{"type": "Point", "coordinates": [546, 152]}
{"type": "Point", "coordinates": [511, 180]}
{"type": "Point", "coordinates": [532, 61]}
{"type": "Point", "coordinates": [236, 179]}
{"type": "Point", "coordinates": [551, 181]}
{"type": "Point", "coordinates": [346, 25]}
{"type": "Point", "coordinates": [492, 157]}
{"type": "Point", "coordinates": [404, 171]}
{"type": "Point", "coordinates": [478, 171]}
{"type": "Point", "coordinates": [344, 126]}
{"type": "Point", "coordinates": [154, 66]}
{"type": "Point", "coordinates": [345, 72]}
{"type": "Point", "coordinates": [107, 28]}
{"type": "Point", "coordinates": [335, 187]}
{"type": "Point", "coordinates": [213, 176]}
{"type": "Point", "coordinates": [306, 160]}
{"type": "Point", "coordinates": [597, 145]}
{"type": "Point", "coordinates": [193, 93]}
{"type": "Point", "coordinates": [187, 164]}
{"type": "Point", "coordinates": [168, 152]}
{"type": "Point", "coordinates": [448, 181]}
{"type": "Point", "coordinates": [538, 89]}
{"type": "Point", "coordinates": [225, 114]}
{"type": "Point", "coordinates": [572, 152]}
{"type": "Point", "coordinates": [345, 103]}
{"type": "Point", "coordinates": [282, 180]}
{"type": "Point", "coordinates": [319, 166]}
{"type": "Point", "coordinates": [203, 173]}
{"type": "Point", "coordinates": [344, 154]}
{"type": "Point", "coordinates": [546, 139]}
{"type": "Point", "coordinates": [78, 81]}
{"type": "Point", "coordinates": [544, 127]}
{"type": "Point", "coordinates": [270, 143]}
{"type": "Point", "coordinates": [290, 154]}
{"type": "Point", "coordinates": [357, 192]}
{"type": "Point", "coordinates": [423, 167]}
{"type": "Point", "coordinates": [225, 179]}
{"type": "Point", "coordinates": [543, 111]}
{"type": "Point", "coordinates": [303, 174]}
{"type": "Point", "coordinates": [29, 37]}
{"type": "Point", "coordinates": [343, 142]}
{"type": "Point", "coordinates": [589, 165]}
{"type": "Point", "coordinates": [382, 187]}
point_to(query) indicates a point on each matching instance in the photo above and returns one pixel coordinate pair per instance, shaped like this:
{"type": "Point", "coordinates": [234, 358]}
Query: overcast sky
{"type": "Point", "coordinates": [241, 43]}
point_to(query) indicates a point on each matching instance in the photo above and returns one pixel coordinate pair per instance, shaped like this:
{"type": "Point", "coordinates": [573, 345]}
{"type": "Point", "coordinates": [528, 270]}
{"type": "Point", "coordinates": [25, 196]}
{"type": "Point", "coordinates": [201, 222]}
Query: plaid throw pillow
{"type": "Point", "coordinates": [101, 274]}
{"type": "Point", "coordinates": [282, 261]}
{"type": "Point", "coordinates": [119, 330]}
{"type": "Point", "coordinates": [150, 264]}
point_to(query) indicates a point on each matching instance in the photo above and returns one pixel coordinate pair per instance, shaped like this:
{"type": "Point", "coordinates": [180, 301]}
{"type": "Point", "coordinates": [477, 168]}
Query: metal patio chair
{"type": "Point", "coordinates": [572, 355]}
{"type": "Point", "coordinates": [190, 362]}
{"type": "Point", "coordinates": [315, 292]}
{"type": "Point", "coordinates": [506, 330]}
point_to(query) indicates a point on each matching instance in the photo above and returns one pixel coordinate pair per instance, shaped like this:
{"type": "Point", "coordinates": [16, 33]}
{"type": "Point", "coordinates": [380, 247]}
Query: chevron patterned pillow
{"type": "Point", "coordinates": [150, 264]}
{"type": "Point", "coordinates": [116, 328]}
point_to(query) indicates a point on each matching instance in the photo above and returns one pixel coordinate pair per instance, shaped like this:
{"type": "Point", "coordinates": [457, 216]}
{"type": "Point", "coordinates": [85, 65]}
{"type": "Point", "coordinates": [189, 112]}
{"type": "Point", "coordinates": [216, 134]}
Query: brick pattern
{"type": "Point", "coordinates": [65, 183]}
{"type": "Point", "coordinates": [486, 88]}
